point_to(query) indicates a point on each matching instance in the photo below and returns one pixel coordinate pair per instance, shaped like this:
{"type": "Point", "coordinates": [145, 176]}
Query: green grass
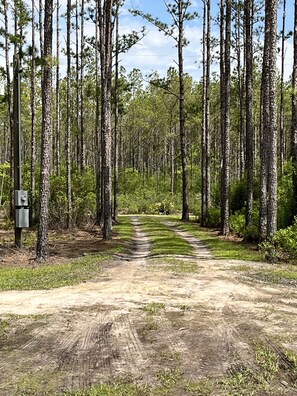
{"type": "Point", "coordinates": [164, 240]}
{"type": "Point", "coordinates": [175, 265]}
{"type": "Point", "coordinates": [277, 276]}
{"type": "Point", "coordinates": [222, 248]}
{"type": "Point", "coordinates": [124, 229]}
{"type": "Point", "coordinates": [51, 276]}
{"type": "Point", "coordinates": [113, 390]}
{"type": "Point", "coordinates": [153, 308]}
{"type": "Point", "coordinates": [59, 275]}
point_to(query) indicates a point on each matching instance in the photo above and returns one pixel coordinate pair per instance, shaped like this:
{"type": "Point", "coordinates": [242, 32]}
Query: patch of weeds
{"type": "Point", "coordinates": [4, 326]}
{"type": "Point", "coordinates": [153, 308]}
{"type": "Point", "coordinates": [184, 308]}
{"type": "Point", "coordinates": [278, 276]}
{"type": "Point", "coordinates": [51, 276]}
{"type": "Point", "coordinates": [145, 331]}
{"type": "Point", "coordinates": [164, 241]}
{"type": "Point", "coordinates": [203, 387]}
{"type": "Point", "coordinates": [37, 383]}
{"type": "Point", "coordinates": [221, 247]}
{"type": "Point", "coordinates": [292, 359]}
{"type": "Point", "coordinates": [268, 362]}
{"type": "Point", "coordinates": [169, 378]}
{"type": "Point", "coordinates": [239, 385]}
{"type": "Point", "coordinates": [113, 390]}
{"type": "Point", "coordinates": [169, 356]}
{"type": "Point", "coordinates": [241, 268]}
{"type": "Point", "coordinates": [181, 266]}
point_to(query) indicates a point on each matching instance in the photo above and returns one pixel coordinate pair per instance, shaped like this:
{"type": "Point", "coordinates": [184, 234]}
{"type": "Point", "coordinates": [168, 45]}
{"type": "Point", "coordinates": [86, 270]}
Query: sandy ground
{"type": "Point", "coordinates": [205, 322]}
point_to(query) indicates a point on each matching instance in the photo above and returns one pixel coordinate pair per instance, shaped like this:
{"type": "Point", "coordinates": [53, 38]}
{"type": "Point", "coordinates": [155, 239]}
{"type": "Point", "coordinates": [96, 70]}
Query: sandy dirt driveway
{"type": "Point", "coordinates": [143, 318]}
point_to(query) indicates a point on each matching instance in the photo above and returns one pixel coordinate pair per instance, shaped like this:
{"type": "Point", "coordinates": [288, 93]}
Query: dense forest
{"type": "Point", "coordinates": [98, 139]}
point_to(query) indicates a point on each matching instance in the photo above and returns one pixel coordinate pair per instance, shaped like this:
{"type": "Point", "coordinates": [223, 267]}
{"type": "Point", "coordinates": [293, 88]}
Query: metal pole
{"type": "Point", "coordinates": [17, 137]}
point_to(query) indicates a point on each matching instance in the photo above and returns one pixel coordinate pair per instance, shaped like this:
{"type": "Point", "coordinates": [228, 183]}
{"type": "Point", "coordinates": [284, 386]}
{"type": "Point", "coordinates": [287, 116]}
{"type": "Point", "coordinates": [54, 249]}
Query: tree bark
{"type": "Point", "coordinates": [182, 131]}
{"type": "Point", "coordinates": [281, 105]}
{"type": "Point", "coordinates": [68, 120]}
{"type": "Point", "coordinates": [248, 6]}
{"type": "Point", "coordinates": [33, 120]}
{"type": "Point", "coordinates": [82, 110]}
{"type": "Point", "coordinates": [225, 113]}
{"type": "Point", "coordinates": [58, 115]}
{"type": "Point", "coordinates": [42, 250]}
{"type": "Point", "coordinates": [106, 27]}
{"type": "Point", "coordinates": [294, 116]}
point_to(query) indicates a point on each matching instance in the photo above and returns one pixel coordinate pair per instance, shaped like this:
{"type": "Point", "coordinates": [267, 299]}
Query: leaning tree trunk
{"type": "Point", "coordinates": [42, 250]}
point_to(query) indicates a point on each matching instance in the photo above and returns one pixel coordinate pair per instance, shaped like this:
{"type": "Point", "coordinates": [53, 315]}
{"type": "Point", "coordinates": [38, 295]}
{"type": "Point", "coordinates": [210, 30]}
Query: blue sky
{"type": "Point", "coordinates": [157, 52]}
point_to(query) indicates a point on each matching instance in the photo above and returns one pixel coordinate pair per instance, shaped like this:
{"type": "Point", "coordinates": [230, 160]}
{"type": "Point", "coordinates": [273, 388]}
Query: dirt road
{"type": "Point", "coordinates": [143, 318]}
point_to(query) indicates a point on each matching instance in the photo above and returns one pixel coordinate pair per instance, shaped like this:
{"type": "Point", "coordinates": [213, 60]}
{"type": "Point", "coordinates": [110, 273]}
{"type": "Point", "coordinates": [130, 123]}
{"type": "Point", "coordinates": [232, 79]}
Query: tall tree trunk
{"type": "Point", "coordinates": [281, 105]}
{"type": "Point", "coordinates": [33, 120]}
{"type": "Point", "coordinates": [42, 250]}
{"type": "Point", "coordinates": [203, 124]}
{"type": "Point", "coordinates": [9, 102]}
{"type": "Point", "coordinates": [272, 152]}
{"type": "Point", "coordinates": [248, 6]}
{"type": "Point", "coordinates": [205, 136]}
{"type": "Point", "coordinates": [294, 117]}
{"type": "Point", "coordinates": [77, 80]}
{"type": "Point", "coordinates": [240, 92]}
{"type": "Point", "coordinates": [82, 110]}
{"type": "Point", "coordinates": [268, 190]}
{"type": "Point", "coordinates": [116, 120]}
{"type": "Point", "coordinates": [182, 131]}
{"type": "Point", "coordinates": [41, 27]}
{"type": "Point", "coordinates": [207, 110]}
{"type": "Point", "coordinates": [68, 120]}
{"type": "Point", "coordinates": [106, 26]}
{"type": "Point", "coordinates": [225, 112]}
{"type": "Point", "coordinates": [97, 123]}
{"type": "Point", "coordinates": [58, 115]}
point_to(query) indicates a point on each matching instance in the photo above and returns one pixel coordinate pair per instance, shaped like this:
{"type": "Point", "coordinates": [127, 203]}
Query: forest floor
{"type": "Point", "coordinates": [153, 325]}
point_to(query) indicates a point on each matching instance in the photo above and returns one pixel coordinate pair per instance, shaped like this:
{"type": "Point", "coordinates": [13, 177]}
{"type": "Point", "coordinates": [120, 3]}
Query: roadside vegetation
{"type": "Point", "coordinates": [76, 270]}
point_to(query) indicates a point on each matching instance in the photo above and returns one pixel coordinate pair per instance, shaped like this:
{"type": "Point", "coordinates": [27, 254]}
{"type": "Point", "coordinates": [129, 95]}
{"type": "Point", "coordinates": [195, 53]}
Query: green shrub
{"type": "Point", "coordinates": [285, 198]}
{"type": "Point", "coordinates": [283, 245]}
{"type": "Point", "coordinates": [251, 234]}
{"type": "Point", "coordinates": [238, 195]}
{"type": "Point", "coordinates": [213, 217]}
{"type": "Point", "coordinates": [237, 223]}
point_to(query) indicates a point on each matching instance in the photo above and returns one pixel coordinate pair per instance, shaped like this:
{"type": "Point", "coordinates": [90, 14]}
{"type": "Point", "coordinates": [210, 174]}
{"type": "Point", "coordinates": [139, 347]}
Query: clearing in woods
{"type": "Point", "coordinates": [152, 325]}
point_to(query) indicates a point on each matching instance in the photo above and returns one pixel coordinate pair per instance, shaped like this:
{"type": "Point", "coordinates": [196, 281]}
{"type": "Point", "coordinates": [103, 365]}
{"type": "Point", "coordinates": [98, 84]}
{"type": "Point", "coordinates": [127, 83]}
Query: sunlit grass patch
{"type": "Point", "coordinates": [164, 240]}
{"type": "Point", "coordinates": [221, 247]}
{"type": "Point", "coordinates": [174, 264]}
{"type": "Point", "coordinates": [51, 276]}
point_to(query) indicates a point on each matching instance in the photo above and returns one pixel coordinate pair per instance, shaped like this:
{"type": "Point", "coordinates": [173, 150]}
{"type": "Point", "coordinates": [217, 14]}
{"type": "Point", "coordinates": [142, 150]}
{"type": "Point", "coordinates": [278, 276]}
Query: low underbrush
{"type": "Point", "coordinates": [83, 268]}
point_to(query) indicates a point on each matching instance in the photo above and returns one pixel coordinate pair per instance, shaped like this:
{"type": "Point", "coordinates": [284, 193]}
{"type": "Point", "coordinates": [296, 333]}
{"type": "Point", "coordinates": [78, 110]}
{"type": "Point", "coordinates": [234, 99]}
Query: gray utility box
{"type": "Point", "coordinates": [22, 218]}
{"type": "Point", "coordinates": [21, 198]}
